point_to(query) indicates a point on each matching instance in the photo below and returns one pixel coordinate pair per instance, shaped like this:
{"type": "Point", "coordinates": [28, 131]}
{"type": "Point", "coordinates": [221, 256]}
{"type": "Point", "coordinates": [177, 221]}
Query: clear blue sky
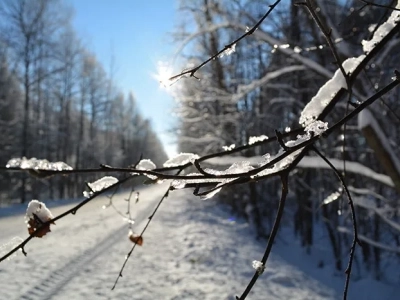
{"type": "Point", "coordinates": [135, 33]}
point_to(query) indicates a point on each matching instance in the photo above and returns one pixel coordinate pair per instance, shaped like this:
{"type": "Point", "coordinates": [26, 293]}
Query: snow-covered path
{"type": "Point", "coordinates": [192, 250]}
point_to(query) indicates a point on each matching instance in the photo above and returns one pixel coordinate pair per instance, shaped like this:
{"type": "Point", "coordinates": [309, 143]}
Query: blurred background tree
{"type": "Point", "coordinates": [264, 86]}
{"type": "Point", "coordinates": [58, 103]}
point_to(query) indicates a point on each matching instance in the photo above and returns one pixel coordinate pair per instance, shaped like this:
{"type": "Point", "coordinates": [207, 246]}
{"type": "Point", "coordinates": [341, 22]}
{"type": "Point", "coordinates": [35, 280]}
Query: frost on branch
{"type": "Point", "coordinates": [100, 185]}
{"type": "Point", "coordinates": [36, 215]}
{"type": "Point", "coordinates": [180, 160]}
{"type": "Point", "coordinates": [259, 266]}
{"type": "Point", "coordinates": [180, 183]}
{"type": "Point", "coordinates": [37, 164]}
{"type": "Point", "coordinates": [316, 128]}
{"type": "Point", "coordinates": [312, 129]}
{"type": "Point", "coordinates": [228, 51]}
{"type": "Point", "coordinates": [239, 167]}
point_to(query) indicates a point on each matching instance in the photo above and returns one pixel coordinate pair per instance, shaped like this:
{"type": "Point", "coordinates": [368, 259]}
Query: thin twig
{"type": "Point", "coordinates": [128, 211]}
{"type": "Point", "coordinates": [383, 101]}
{"type": "Point", "coordinates": [107, 169]}
{"type": "Point", "coordinates": [70, 211]}
{"type": "Point", "coordinates": [327, 34]}
{"type": "Point", "coordinates": [353, 218]}
{"type": "Point", "coordinates": [193, 71]}
{"type": "Point", "coordinates": [369, 3]}
{"type": "Point", "coordinates": [284, 179]}
{"type": "Point", "coordinates": [141, 234]}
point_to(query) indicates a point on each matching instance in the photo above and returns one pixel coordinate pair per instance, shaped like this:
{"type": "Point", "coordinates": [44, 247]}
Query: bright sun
{"type": "Point", "coordinates": [164, 73]}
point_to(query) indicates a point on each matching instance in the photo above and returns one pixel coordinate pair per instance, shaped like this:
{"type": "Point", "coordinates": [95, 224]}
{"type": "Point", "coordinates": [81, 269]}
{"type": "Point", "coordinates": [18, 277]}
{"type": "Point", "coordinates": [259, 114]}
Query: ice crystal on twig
{"type": "Point", "coordinates": [228, 51]}
{"type": "Point", "coordinates": [259, 266]}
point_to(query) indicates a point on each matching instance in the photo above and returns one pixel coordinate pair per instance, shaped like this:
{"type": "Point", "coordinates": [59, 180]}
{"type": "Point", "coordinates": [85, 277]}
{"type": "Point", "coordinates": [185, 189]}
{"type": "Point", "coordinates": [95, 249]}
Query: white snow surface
{"type": "Point", "coordinates": [192, 250]}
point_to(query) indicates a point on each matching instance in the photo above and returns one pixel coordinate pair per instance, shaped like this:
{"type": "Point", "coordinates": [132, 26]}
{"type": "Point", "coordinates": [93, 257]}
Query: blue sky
{"type": "Point", "coordinates": [135, 33]}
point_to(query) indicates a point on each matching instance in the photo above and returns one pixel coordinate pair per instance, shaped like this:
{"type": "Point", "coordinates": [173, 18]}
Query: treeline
{"type": "Point", "coordinates": [263, 86]}
{"type": "Point", "coordinates": [57, 102]}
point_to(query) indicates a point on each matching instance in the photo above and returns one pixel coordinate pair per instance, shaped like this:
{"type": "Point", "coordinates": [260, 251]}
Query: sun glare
{"type": "Point", "coordinates": [163, 75]}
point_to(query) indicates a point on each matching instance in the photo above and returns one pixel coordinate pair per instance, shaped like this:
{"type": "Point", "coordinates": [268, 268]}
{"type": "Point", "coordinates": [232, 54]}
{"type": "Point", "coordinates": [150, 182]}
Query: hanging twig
{"type": "Point", "coordinates": [353, 218]}
{"type": "Point", "coordinates": [285, 188]}
{"type": "Point", "coordinates": [141, 234]}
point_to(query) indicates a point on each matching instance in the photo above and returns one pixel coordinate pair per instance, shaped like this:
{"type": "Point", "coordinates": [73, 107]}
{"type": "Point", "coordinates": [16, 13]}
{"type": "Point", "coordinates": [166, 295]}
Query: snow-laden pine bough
{"type": "Point", "coordinates": [207, 182]}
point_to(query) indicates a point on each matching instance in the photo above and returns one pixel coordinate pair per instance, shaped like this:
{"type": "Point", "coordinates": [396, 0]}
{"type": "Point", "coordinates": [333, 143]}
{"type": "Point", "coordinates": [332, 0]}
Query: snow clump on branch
{"type": "Point", "coordinates": [259, 266]}
{"type": "Point", "coordinates": [39, 209]}
{"type": "Point", "coordinates": [382, 31]}
{"type": "Point", "coordinates": [328, 91]}
{"type": "Point", "coordinates": [37, 164]}
{"type": "Point", "coordinates": [100, 185]}
{"type": "Point", "coordinates": [146, 165]}
{"type": "Point", "coordinates": [36, 215]}
{"type": "Point", "coordinates": [180, 160]}
{"type": "Point", "coordinates": [255, 139]}
{"type": "Point", "coordinates": [228, 51]}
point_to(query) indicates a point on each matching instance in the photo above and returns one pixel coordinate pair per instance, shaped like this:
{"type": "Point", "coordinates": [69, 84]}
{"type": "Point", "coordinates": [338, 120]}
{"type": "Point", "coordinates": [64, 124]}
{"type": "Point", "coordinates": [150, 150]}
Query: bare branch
{"type": "Point", "coordinates": [141, 234]}
{"type": "Point", "coordinates": [370, 3]}
{"type": "Point", "coordinates": [274, 231]}
{"type": "Point", "coordinates": [193, 71]}
{"type": "Point", "coordinates": [353, 217]}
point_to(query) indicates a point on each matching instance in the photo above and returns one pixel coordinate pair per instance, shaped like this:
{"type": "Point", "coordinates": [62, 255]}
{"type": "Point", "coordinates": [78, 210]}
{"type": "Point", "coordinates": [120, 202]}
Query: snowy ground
{"type": "Point", "coordinates": [192, 250]}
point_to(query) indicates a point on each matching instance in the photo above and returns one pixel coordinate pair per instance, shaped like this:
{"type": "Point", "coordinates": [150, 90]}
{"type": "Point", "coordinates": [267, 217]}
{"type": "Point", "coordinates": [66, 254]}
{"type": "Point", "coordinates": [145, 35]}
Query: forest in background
{"type": "Point", "coordinates": [57, 102]}
{"type": "Point", "coordinates": [275, 83]}
{"type": "Point", "coordinates": [263, 86]}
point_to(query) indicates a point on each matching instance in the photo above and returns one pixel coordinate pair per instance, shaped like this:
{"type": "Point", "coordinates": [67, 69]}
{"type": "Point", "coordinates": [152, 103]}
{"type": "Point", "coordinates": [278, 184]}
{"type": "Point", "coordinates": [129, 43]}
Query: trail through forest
{"type": "Point", "coordinates": [192, 250]}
